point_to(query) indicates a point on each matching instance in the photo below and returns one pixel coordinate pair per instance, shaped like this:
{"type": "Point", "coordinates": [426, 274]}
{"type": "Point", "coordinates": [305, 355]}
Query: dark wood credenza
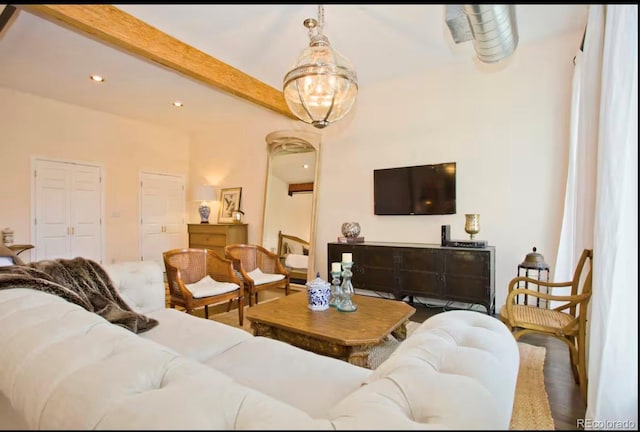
{"type": "Point", "coordinates": [421, 270]}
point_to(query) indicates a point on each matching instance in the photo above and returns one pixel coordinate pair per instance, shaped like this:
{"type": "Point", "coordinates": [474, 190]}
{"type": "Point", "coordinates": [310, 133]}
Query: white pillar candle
{"type": "Point", "coordinates": [335, 267]}
{"type": "Point", "coordinates": [347, 257]}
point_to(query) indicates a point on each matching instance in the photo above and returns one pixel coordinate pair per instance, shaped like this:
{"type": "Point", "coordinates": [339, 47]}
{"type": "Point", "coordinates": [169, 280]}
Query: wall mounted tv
{"type": "Point", "coordinates": [415, 190]}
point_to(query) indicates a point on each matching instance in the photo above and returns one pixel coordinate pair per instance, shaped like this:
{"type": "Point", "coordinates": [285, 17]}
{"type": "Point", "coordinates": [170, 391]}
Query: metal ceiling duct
{"type": "Point", "coordinates": [492, 28]}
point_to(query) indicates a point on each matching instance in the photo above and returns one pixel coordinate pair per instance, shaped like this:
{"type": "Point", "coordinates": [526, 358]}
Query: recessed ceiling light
{"type": "Point", "coordinates": [305, 166]}
{"type": "Point", "coordinates": [178, 104]}
{"type": "Point", "coordinates": [96, 78]}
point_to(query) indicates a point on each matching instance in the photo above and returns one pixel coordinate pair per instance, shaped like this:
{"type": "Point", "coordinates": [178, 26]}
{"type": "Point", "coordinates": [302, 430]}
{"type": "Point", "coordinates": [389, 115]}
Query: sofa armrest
{"type": "Point", "coordinates": [457, 370]}
{"type": "Point", "coordinates": [140, 283]}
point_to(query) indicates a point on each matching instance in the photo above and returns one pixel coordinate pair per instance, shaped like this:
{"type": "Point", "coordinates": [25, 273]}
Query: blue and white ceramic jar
{"type": "Point", "coordinates": [318, 291]}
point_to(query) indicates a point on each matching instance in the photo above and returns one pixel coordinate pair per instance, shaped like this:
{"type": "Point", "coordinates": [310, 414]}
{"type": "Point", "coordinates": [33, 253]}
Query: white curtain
{"type": "Point", "coordinates": [601, 209]}
{"type": "Point", "coordinates": [579, 202]}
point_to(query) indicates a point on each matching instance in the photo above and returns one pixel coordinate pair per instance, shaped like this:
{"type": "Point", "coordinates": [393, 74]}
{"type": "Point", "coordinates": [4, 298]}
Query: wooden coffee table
{"type": "Point", "coordinates": [343, 335]}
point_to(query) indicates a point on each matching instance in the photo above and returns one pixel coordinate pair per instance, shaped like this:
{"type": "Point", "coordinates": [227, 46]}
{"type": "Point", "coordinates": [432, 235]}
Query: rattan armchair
{"type": "Point", "coordinates": [567, 322]}
{"type": "Point", "coordinates": [189, 266]}
{"type": "Point", "coordinates": [251, 259]}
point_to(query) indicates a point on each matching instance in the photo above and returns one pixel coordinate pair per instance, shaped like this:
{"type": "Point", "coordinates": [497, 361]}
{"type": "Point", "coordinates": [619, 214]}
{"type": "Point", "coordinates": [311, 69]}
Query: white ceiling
{"type": "Point", "coordinates": [290, 168]}
{"type": "Point", "coordinates": [382, 42]}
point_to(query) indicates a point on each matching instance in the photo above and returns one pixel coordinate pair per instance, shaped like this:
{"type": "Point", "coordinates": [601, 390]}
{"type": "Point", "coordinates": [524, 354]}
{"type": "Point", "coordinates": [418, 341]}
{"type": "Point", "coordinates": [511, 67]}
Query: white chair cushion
{"type": "Point", "coordinates": [207, 287]}
{"type": "Point", "coordinates": [297, 261]}
{"type": "Point", "coordinates": [260, 278]}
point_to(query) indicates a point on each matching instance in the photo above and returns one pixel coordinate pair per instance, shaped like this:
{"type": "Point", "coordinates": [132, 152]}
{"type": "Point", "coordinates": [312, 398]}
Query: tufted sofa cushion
{"type": "Point", "coordinates": [140, 283]}
{"type": "Point", "coordinates": [457, 370]}
{"type": "Point", "coordinates": [62, 367]}
{"type": "Point", "coordinates": [71, 369]}
{"type": "Point", "coordinates": [305, 380]}
{"type": "Point", "coordinates": [193, 337]}
{"type": "Point", "coordinates": [308, 381]}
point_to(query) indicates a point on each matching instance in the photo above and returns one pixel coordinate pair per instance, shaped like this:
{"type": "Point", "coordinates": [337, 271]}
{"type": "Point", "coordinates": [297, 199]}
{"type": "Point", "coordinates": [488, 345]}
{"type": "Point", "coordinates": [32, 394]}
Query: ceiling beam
{"type": "Point", "coordinates": [122, 30]}
{"type": "Point", "coordinates": [6, 12]}
{"type": "Point", "coordinates": [300, 187]}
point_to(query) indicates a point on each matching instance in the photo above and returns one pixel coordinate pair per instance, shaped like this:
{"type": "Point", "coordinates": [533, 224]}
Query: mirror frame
{"type": "Point", "coordinates": [274, 140]}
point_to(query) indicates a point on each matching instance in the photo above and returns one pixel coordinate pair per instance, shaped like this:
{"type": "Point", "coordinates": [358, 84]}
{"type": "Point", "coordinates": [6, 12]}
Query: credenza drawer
{"type": "Point", "coordinates": [208, 239]}
{"type": "Point", "coordinates": [216, 236]}
{"type": "Point", "coordinates": [210, 228]}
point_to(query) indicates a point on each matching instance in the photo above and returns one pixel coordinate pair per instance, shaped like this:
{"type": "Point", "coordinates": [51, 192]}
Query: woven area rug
{"type": "Point", "coordinates": [380, 353]}
{"type": "Point", "coordinates": [531, 410]}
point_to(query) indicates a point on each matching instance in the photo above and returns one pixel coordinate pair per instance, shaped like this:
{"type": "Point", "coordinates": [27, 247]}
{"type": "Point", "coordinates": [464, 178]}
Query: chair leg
{"type": "Point", "coordinates": [240, 310]}
{"type": "Point", "coordinates": [286, 289]}
{"type": "Point", "coordinates": [573, 357]}
{"type": "Point", "coordinates": [256, 300]}
{"type": "Point", "coordinates": [250, 299]}
{"type": "Point", "coordinates": [229, 305]}
{"type": "Point", "coordinates": [582, 367]}
{"type": "Point", "coordinates": [206, 311]}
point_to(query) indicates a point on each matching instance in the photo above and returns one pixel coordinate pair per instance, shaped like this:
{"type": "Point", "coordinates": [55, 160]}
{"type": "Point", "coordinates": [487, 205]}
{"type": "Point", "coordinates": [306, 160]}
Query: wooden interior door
{"type": "Point", "coordinates": [85, 212]}
{"type": "Point", "coordinates": [162, 215]}
{"type": "Point", "coordinates": [67, 210]}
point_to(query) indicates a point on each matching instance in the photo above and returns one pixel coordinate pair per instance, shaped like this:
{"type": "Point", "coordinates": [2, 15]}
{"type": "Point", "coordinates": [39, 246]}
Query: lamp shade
{"type": "Point", "coordinates": [205, 193]}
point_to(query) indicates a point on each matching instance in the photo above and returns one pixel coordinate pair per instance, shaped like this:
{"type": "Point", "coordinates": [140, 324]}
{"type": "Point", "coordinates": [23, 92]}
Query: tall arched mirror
{"type": "Point", "coordinates": [288, 226]}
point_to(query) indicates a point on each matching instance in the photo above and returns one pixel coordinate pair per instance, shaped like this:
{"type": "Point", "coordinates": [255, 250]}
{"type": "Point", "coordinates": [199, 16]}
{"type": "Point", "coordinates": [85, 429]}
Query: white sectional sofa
{"type": "Point", "coordinates": [62, 367]}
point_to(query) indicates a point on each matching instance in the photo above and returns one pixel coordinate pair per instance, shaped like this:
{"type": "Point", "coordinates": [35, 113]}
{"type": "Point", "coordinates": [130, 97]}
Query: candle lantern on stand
{"type": "Point", "coordinates": [533, 267]}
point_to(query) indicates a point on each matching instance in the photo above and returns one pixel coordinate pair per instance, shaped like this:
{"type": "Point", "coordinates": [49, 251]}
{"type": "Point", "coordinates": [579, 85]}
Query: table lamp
{"type": "Point", "coordinates": [203, 194]}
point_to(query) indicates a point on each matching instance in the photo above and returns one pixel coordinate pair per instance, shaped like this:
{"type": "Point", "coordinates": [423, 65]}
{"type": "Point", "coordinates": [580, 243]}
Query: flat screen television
{"type": "Point", "coordinates": [415, 190]}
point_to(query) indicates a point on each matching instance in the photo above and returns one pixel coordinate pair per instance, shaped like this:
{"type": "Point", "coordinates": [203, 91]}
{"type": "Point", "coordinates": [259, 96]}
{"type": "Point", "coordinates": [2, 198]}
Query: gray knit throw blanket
{"type": "Point", "coordinates": [80, 281]}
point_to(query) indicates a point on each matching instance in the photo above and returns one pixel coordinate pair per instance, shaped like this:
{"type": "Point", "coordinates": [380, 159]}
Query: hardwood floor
{"type": "Point", "coordinates": [567, 405]}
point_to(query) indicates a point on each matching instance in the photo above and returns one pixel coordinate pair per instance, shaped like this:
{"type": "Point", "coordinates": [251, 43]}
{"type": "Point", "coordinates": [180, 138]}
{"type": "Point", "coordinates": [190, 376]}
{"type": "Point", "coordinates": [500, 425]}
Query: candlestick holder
{"type": "Point", "coordinates": [335, 297]}
{"type": "Point", "coordinates": [346, 305]}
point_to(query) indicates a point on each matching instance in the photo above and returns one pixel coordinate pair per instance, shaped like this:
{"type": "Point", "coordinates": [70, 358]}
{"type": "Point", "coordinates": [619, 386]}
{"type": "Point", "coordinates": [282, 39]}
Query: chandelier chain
{"type": "Point", "coordinates": [320, 19]}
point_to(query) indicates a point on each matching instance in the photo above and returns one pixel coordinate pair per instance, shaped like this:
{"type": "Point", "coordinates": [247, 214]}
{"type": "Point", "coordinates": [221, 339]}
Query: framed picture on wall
{"type": "Point", "coordinates": [229, 202]}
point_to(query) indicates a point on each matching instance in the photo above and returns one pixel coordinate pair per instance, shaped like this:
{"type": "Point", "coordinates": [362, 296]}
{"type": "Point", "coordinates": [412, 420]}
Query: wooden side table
{"type": "Point", "coordinates": [19, 248]}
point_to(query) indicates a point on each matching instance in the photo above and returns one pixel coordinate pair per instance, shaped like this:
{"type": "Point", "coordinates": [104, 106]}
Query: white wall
{"type": "Point", "coordinates": [34, 126]}
{"type": "Point", "coordinates": [235, 155]}
{"type": "Point", "coordinates": [507, 130]}
{"type": "Point", "coordinates": [506, 127]}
